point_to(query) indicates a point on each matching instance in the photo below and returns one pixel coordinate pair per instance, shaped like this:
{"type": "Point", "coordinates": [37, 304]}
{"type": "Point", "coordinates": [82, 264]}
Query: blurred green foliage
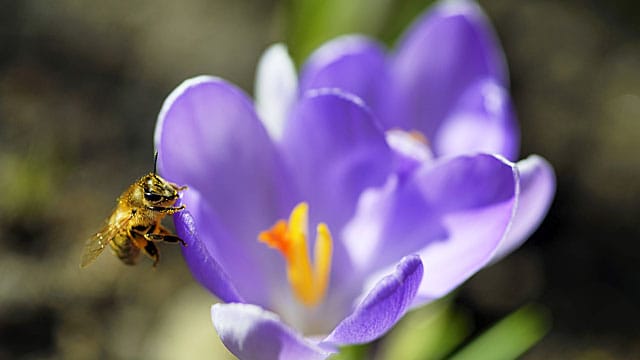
{"type": "Point", "coordinates": [312, 22]}
{"type": "Point", "coordinates": [510, 337]}
{"type": "Point", "coordinates": [430, 332]}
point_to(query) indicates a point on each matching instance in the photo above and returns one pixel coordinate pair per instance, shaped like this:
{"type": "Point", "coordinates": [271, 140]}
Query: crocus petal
{"type": "Point", "coordinates": [337, 150]}
{"type": "Point", "coordinates": [478, 195]}
{"type": "Point", "coordinates": [275, 88]}
{"type": "Point", "coordinates": [537, 188]}
{"type": "Point", "coordinates": [390, 222]}
{"type": "Point", "coordinates": [382, 307]}
{"type": "Point", "coordinates": [482, 121]}
{"type": "Point", "coordinates": [250, 332]}
{"type": "Point", "coordinates": [210, 139]}
{"type": "Point", "coordinates": [439, 58]}
{"type": "Point", "coordinates": [453, 213]}
{"type": "Point", "coordinates": [202, 265]}
{"type": "Point", "coordinates": [355, 64]}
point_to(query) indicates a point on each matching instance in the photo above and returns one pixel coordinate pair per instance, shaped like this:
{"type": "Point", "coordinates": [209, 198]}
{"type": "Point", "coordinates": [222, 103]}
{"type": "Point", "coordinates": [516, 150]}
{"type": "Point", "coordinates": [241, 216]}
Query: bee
{"type": "Point", "coordinates": [134, 226]}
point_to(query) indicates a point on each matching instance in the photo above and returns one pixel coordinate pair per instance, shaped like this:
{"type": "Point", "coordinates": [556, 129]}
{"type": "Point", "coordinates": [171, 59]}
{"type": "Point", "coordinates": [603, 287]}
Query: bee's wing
{"type": "Point", "coordinates": [96, 244]}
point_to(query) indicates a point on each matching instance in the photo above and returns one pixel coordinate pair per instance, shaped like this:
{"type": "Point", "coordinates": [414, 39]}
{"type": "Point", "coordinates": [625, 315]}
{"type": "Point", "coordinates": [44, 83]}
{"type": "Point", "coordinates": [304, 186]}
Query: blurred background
{"type": "Point", "coordinates": [81, 84]}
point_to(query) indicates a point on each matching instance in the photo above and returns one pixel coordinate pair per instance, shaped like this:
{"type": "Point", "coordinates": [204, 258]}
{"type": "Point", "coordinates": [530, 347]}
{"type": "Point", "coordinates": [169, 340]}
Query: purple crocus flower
{"type": "Point", "coordinates": [399, 162]}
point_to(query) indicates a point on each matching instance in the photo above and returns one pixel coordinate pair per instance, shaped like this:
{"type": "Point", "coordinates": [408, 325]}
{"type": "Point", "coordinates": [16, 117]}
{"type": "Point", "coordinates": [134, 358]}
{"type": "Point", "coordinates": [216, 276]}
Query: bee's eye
{"type": "Point", "coordinates": [152, 197]}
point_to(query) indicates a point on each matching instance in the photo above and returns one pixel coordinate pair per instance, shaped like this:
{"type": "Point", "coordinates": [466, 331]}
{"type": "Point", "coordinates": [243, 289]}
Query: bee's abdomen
{"type": "Point", "coordinates": [124, 248]}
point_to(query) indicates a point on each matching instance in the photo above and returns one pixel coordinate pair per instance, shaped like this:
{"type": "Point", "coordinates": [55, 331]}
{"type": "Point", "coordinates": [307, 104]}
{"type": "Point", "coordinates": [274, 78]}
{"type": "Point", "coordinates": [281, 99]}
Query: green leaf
{"type": "Point", "coordinates": [430, 332]}
{"type": "Point", "coordinates": [353, 352]}
{"type": "Point", "coordinates": [510, 337]}
{"type": "Point", "coordinates": [312, 22]}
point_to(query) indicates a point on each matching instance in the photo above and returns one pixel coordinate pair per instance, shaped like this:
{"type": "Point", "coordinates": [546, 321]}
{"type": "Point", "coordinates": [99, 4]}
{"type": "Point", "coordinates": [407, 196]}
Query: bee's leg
{"type": "Point", "coordinates": [151, 251]}
{"type": "Point", "coordinates": [179, 188]}
{"type": "Point", "coordinates": [164, 237]}
{"type": "Point", "coordinates": [166, 210]}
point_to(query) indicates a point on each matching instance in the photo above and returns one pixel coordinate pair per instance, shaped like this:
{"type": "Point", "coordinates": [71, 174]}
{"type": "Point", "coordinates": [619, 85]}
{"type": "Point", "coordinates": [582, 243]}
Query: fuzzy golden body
{"type": "Point", "coordinates": [135, 224]}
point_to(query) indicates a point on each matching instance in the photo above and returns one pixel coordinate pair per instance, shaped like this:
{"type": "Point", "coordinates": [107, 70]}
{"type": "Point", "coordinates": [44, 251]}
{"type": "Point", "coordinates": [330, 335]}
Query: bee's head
{"type": "Point", "coordinates": [156, 191]}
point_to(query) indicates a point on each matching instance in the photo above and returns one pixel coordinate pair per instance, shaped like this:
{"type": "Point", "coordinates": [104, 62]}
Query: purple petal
{"type": "Point", "coordinates": [254, 271]}
{"type": "Point", "coordinates": [537, 187]}
{"type": "Point", "coordinates": [337, 151]}
{"type": "Point", "coordinates": [383, 306]}
{"type": "Point", "coordinates": [210, 139]}
{"type": "Point", "coordinates": [250, 332]}
{"type": "Point", "coordinates": [442, 55]}
{"type": "Point", "coordinates": [426, 212]}
{"type": "Point", "coordinates": [203, 266]}
{"type": "Point", "coordinates": [354, 64]}
{"type": "Point", "coordinates": [482, 121]}
{"type": "Point", "coordinates": [390, 222]}
{"type": "Point", "coordinates": [477, 195]}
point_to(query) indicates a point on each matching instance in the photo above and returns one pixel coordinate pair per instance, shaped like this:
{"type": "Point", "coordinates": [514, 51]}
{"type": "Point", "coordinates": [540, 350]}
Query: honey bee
{"type": "Point", "coordinates": [134, 226]}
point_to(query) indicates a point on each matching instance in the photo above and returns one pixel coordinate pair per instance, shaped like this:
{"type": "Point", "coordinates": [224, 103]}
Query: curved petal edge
{"type": "Point", "coordinates": [251, 332]}
{"type": "Point", "coordinates": [382, 307]}
{"type": "Point", "coordinates": [537, 189]}
{"type": "Point", "coordinates": [479, 194]}
{"type": "Point", "coordinates": [276, 88]}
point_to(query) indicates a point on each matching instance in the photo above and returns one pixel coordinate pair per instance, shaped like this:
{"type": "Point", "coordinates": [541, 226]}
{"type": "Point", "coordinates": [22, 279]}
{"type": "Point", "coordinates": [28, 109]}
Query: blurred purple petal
{"type": "Point", "coordinates": [537, 188]}
{"type": "Point", "coordinates": [382, 307]}
{"type": "Point", "coordinates": [477, 195]}
{"type": "Point", "coordinates": [482, 121]}
{"type": "Point", "coordinates": [250, 332]}
{"type": "Point", "coordinates": [355, 64]}
{"type": "Point", "coordinates": [441, 56]}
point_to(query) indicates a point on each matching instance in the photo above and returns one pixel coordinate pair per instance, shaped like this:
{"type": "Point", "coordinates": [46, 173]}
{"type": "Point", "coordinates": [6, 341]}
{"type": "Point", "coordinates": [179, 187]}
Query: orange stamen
{"type": "Point", "coordinates": [308, 283]}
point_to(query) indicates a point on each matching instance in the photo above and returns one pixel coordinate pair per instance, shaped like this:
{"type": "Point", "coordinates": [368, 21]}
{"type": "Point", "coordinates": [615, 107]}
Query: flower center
{"type": "Point", "coordinates": [308, 283]}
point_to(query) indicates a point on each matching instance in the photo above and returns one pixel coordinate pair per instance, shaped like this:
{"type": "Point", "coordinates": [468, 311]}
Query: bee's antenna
{"type": "Point", "coordinates": [155, 162]}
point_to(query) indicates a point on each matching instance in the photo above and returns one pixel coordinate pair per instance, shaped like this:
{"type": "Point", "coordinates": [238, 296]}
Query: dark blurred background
{"type": "Point", "coordinates": [81, 84]}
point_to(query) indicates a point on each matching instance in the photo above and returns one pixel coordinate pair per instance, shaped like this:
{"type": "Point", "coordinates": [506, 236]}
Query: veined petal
{"type": "Point", "coordinates": [250, 332]}
{"type": "Point", "coordinates": [482, 121]}
{"type": "Point", "coordinates": [355, 64]}
{"type": "Point", "coordinates": [442, 54]}
{"type": "Point", "coordinates": [537, 188]}
{"type": "Point", "coordinates": [276, 88]}
{"type": "Point", "coordinates": [382, 307]}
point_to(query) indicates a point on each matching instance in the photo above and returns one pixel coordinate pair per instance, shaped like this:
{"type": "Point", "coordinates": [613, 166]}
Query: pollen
{"type": "Point", "coordinates": [308, 282]}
